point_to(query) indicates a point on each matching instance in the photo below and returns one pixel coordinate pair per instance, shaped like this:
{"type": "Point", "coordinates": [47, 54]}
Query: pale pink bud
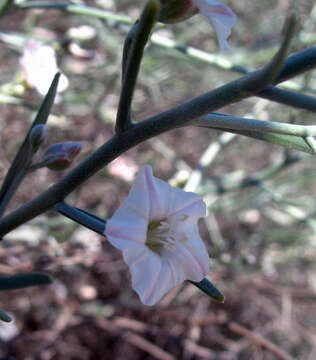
{"type": "Point", "coordinates": [60, 156]}
{"type": "Point", "coordinates": [37, 136]}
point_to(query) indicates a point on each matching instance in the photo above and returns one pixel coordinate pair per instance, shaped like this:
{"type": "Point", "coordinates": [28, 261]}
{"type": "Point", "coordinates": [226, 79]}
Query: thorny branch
{"type": "Point", "coordinates": [181, 115]}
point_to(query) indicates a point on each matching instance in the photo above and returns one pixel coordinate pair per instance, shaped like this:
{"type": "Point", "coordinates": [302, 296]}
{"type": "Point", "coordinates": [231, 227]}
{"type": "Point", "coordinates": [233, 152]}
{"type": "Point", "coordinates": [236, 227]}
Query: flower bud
{"type": "Point", "coordinates": [37, 136]}
{"type": "Point", "coordinates": [60, 156]}
{"type": "Point", "coordinates": [176, 10]}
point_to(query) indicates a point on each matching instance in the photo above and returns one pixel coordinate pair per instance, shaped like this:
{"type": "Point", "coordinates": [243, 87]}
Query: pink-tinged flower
{"type": "Point", "coordinates": [156, 229]}
{"type": "Point", "coordinates": [37, 136]}
{"type": "Point", "coordinates": [40, 66]}
{"type": "Point", "coordinates": [220, 16]}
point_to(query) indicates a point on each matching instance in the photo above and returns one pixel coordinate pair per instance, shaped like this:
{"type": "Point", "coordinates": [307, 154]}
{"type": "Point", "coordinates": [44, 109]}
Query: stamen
{"type": "Point", "coordinates": [162, 234]}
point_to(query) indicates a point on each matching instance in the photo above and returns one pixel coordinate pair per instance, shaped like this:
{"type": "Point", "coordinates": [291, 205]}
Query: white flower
{"type": "Point", "coordinates": [39, 67]}
{"type": "Point", "coordinates": [221, 17]}
{"type": "Point", "coordinates": [156, 229]}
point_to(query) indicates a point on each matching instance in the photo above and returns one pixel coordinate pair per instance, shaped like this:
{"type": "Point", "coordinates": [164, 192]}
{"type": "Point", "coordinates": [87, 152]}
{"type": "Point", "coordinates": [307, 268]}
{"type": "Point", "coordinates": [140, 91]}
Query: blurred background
{"type": "Point", "coordinates": [261, 227]}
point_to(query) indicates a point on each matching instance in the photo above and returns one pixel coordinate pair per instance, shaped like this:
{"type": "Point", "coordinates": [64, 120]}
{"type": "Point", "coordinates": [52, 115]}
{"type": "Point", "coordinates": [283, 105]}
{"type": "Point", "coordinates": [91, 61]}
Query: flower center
{"type": "Point", "coordinates": [161, 234]}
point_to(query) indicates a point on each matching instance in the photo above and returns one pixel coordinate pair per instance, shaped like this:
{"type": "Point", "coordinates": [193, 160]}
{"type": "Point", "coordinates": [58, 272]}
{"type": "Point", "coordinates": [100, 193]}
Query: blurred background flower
{"type": "Point", "coordinates": [39, 66]}
{"type": "Point", "coordinates": [123, 168]}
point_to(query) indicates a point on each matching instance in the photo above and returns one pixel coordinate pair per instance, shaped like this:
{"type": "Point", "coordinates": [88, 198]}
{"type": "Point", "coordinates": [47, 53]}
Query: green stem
{"type": "Point", "coordinates": [178, 116]}
{"type": "Point", "coordinates": [5, 6]}
{"type": "Point", "coordinates": [127, 48]}
{"type": "Point", "coordinates": [4, 316]}
{"type": "Point", "coordinates": [126, 53]}
{"type": "Point", "coordinates": [77, 9]}
{"type": "Point", "coordinates": [270, 72]}
{"type": "Point", "coordinates": [11, 100]}
{"type": "Point", "coordinates": [216, 120]}
{"type": "Point", "coordinates": [19, 281]}
{"type": "Point", "coordinates": [133, 55]}
{"type": "Point", "coordinates": [81, 217]}
{"type": "Point", "coordinates": [289, 98]}
{"type": "Point", "coordinates": [7, 196]}
{"type": "Point", "coordinates": [272, 93]}
{"type": "Point", "coordinates": [288, 141]}
{"type": "Point", "coordinates": [23, 158]}
{"type": "Point", "coordinates": [293, 136]}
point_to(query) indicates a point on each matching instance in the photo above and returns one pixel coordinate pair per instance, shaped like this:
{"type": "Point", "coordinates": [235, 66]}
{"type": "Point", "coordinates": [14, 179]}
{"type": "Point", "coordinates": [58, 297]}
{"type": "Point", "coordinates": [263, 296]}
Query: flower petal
{"type": "Point", "coordinates": [126, 228]}
{"type": "Point", "coordinates": [221, 17]}
{"type": "Point", "coordinates": [186, 203]}
{"type": "Point", "coordinates": [145, 267]}
{"type": "Point", "coordinates": [190, 258]}
{"type": "Point", "coordinates": [138, 197]}
{"type": "Point", "coordinates": [153, 276]}
{"type": "Point", "coordinates": [175, 267]}
{"type": "Point", "coordinates": [150, 195]}
{"type": "Point", "coordinates": [166, 280]}
{"type": "Point", "coordinates": [198, 252]}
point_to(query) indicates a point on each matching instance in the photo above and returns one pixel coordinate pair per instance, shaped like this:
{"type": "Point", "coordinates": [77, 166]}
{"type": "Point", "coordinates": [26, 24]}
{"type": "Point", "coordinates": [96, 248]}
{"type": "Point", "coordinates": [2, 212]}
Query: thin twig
{"type": "Point", "coordinates": [272, 93]}
{"type": "Point", "coordinates": [147, 346]}
{"type": "Point", "coordinates": [161, 147]}
{"type": "Point", "coordinates": [229, 183]}
{"type": "Point", "coordinates": [22, 160]}
{"type": "Point", "coordinates": [76, 9]}
{"type": "Point", "coordinates": [206, 159]}
{"type": "Point", "coordinates": [135, 340]}
{"type": "Point", "coordinates": [258, 339]}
